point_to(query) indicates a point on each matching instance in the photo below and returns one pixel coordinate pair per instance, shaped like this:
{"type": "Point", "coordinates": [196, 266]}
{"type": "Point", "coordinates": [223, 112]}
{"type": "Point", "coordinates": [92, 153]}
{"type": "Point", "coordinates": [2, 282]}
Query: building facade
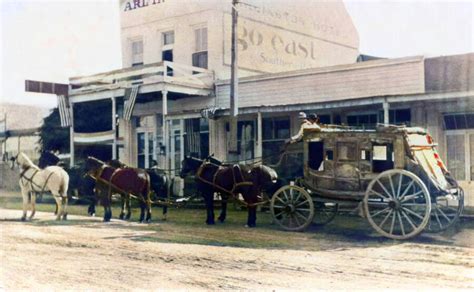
{"type": "Point", "coordinates": [171, 98]}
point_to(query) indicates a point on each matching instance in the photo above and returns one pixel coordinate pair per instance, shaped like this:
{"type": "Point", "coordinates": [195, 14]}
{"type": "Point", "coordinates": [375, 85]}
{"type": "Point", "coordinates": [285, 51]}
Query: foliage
{"type": "Point", "coordinates": [52, 136]}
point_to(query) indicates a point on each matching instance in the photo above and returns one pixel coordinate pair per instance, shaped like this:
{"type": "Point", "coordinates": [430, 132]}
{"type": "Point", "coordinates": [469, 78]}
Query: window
{"type": "Point", "coordinates": [316, 155]}
{"type": "Point", "coordinates": [168, 38]}
{"type": "Point", "coordinates": [199, 58]}
{"type": "Point", "coordinates": [397, 116]}
{"type": "Point", "coordinates": [459, 121]}
{"type": "Point", "coordinates": [274, 132]}
{"type": "Point", "coordinates": [246, 139]}
{"type": "Point", "coordinates": [382, 158]}
{"type": "Point", "coordinates": [137, 53]}
{"type": "Point", "coordinates": [196, 137]}
{"type": "Point", "coordinates": [456, 155]}
{"type": "Point", "coordinates": [362, 120]}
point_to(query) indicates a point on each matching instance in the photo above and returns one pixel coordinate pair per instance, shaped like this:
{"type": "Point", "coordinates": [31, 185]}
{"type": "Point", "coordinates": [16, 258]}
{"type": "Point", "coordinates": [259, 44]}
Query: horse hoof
{"type": "Point", "coordinates": [121, 216]}
{"type": "Point", "coordinates": [250, 225]}
{"type": "Point", "coordinates": [23, 218]}
{"type": "Point", "coordinates": [210, 223]}
{"type": "Point", "coordinates": [221, 220]}
{"type": "Point", "coordinates": [65, 217]}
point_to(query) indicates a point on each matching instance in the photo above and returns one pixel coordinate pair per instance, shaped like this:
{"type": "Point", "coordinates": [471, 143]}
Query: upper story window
{"type": "Point", "coordinates": [200, 48]}
{"type": "Point", "coordinates": [167, 46]}
{"type": "Point", "coordinates": [459, 121]}
{"type": "Point", "coordinates": [137, 53]}
{"type": "Point", "coordinates": [168, 38]}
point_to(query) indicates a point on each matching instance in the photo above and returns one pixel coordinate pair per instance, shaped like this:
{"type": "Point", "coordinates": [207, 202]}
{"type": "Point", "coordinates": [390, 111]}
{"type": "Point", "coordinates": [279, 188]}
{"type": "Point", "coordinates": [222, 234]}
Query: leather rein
{"type": "Point", "coordinates": [30, 179]}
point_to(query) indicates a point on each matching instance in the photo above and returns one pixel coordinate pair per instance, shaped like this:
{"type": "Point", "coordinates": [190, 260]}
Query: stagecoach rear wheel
{"type": "Point", "coordinates": [292, 208]}
{"type": "Point", "coordinates": [445, 211]}
{"type": "Point", "coordinates": [397, 204]}
{"type": "Point", "coordinates": [325, 212]}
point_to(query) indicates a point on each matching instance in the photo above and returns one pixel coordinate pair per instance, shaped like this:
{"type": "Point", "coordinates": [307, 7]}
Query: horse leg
{"type": "Point", "coordinates": [65, 203]}
{"type": "Point", "coordinates": [209, 198]}
{"type": "Point", "coordinates": [58, 199]}
{"type": "Point", "coordinates": [148, 211]}
{"type": "Point", "coordinates": [142, 212]}
{"type": "Point", "coordinates": [25, 194]}
{"type": "Point", "coordinates": [223, 214]}
{"type": "Point", "coordinates": [165, 213]}
{"type": "Point", "coordinates": [122, 213]}
{"type": "Point", "coordinates": [129, 209]}
{"type": "Point", "coordinates": [252, 217]}
{"type": "Point", "coordinates": [33, 205]}
{"type": "Point", "coordinates": [91, 208]}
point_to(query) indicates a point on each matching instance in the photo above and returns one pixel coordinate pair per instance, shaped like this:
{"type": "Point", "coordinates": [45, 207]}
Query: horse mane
{"type": "Point", "coordinates": [25, 161]}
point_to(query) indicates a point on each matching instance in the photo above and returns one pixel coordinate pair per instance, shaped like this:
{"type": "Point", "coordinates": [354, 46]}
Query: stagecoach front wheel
{"type": "Point", "coordinates": [292, 208]}
{"type": "Point", "coordinates": [397, 204]}
{"type": "Point", "coordinates": [445, 211]}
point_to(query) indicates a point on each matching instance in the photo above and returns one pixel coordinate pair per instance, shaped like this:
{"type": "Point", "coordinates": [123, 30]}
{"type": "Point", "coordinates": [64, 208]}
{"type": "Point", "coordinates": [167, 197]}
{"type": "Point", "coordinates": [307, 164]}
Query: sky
{"type": "Point", "coordinates": [54, 40]}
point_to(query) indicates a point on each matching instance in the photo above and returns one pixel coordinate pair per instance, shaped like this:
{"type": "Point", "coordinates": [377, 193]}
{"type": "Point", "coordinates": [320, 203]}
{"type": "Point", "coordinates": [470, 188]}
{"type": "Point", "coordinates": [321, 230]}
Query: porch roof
{"type": "Point", "coordinates": [162, 76]}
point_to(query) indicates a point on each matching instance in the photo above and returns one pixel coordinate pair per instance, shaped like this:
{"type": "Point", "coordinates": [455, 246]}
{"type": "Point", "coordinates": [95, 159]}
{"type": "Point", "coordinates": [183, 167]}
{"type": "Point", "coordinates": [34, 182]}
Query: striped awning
{"type": "Point", "coordinates": [93, 138]}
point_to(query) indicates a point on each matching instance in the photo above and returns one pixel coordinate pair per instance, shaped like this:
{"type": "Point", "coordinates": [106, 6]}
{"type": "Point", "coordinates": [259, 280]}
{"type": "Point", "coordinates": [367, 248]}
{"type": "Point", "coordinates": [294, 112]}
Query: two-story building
{"type": "Point", "coordinates": [172, 96]}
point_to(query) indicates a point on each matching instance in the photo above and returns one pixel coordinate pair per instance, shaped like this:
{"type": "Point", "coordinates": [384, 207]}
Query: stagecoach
{"type": "Point", "coordinates": [394, 173]}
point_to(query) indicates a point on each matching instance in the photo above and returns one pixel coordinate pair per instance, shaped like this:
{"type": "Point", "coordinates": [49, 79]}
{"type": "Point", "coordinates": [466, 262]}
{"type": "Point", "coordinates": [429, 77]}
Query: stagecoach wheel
{"type": "Point", "coordinates": [292, 208]}
{"type": "Point", "coordinates": [397, 204]}
{"type": "Point", "coordinates": [446, 211]}
{"type": "Point", "coordinates": [325, 213]}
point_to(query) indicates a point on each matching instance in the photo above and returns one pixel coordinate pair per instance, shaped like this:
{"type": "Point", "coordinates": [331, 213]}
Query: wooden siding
{"type": "Point", "coordinates": [368, 79]}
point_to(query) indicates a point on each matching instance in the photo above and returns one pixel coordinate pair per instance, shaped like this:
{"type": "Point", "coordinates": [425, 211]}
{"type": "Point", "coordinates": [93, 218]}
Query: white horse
{"type": "Point", "coordinates": [33, 180]}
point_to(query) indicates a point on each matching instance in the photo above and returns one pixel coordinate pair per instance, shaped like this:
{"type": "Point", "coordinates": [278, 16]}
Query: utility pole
{"type": "Point", "coordinates": [234, 87]}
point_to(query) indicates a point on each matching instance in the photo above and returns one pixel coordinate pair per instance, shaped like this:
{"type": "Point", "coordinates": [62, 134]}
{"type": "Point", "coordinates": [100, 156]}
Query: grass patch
{"type": "Point", "coordinates": [188, 226]}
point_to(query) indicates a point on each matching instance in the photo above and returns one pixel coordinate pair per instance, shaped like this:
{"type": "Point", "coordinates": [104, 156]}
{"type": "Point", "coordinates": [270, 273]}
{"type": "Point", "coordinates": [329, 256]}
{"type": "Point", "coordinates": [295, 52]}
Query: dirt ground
{"type": "Point", "coordinates": [94, 255]}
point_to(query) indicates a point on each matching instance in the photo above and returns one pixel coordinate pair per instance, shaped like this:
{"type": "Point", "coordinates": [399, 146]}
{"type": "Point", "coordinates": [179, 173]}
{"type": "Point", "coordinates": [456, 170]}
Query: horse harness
{"type": "Point", "coordinates": [30, 179]}
{"type": "Point", "coordinates": [237, 175]}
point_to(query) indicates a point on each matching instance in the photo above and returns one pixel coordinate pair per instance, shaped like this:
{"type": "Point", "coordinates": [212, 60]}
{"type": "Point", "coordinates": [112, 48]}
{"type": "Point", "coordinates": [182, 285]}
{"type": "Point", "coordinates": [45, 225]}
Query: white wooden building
{"type": "Point", "coordinates": [293, 56]}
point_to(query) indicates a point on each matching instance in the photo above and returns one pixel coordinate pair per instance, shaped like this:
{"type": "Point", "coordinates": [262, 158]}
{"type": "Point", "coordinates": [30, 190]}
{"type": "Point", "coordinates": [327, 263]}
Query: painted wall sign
{"type": "Point", "coordinates": [266, 48]}
{"type": "Point", "coordinates": [135, 4]}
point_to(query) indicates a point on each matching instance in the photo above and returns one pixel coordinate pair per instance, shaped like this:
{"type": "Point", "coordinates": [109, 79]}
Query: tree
{"type": "Point", "coordinates": [53, 137]}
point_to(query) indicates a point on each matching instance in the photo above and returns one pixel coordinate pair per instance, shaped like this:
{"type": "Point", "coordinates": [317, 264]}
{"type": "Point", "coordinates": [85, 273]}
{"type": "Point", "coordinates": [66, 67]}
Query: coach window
{"type": "Point", "coordinates": [383, 157]}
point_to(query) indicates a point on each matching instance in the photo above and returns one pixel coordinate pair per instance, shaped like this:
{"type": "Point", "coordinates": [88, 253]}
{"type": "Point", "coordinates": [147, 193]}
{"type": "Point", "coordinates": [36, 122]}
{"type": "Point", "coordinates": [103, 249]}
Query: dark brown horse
{"type": "Point", "coordinates": [211, 177]}
{"type": "Point", "coordinates": [125, 181]}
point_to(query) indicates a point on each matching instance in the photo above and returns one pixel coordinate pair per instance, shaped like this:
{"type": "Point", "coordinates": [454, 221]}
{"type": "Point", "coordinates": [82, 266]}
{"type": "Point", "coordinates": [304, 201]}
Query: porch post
{"type": "Point", "coordinates": [71, 136]}
{"type": "Point", "coordinates": [164, 112]}
{"type": "Point", "coordinates": [386, 107]}
{"type": "Point", "coordinates": [259, 150]}
{"type": "Point", "coordinates": [114, 128]}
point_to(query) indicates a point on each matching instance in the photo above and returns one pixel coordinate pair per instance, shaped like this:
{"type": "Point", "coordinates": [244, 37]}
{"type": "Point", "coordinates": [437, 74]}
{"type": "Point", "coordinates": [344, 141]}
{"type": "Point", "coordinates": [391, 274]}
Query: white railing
{"type": "Point", "coordinates": [168, 72]}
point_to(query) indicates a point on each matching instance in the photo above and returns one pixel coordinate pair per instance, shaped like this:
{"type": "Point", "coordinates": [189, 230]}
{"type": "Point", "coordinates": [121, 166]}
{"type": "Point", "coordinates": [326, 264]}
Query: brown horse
{"type": "Point", "coordinates": [211, 177]}
{"type": "Point", "coordinates": [126, 181]}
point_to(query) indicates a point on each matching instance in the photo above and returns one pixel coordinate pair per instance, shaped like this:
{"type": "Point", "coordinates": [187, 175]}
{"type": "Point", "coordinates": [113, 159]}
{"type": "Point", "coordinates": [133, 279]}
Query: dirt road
{"type": "Point", "coordinates": [115, 256]}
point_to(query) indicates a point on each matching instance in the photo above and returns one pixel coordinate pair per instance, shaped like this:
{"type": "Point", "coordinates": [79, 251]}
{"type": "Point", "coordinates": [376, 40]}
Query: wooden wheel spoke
{"type": "Point", "coordinates": [393, 222]}
{"type": "Point", "coordinates": [379, 194]}
{"type": "Point", "coordinates": [385, 219]}
{"type": "Point", "coordinates": [278, 206]}
{"type": "Point", "coordinates": [401, 223]}
{"type": "Point", "coordinates": [298, 197]}
{"type": "Point", "coordinates": [412, 213]}
{"type": "Point", "coordinates": [443, 214]}
{"type": "Point", "coordinates": [380, 212]}
{"type": "Point", "coordinates": [296, 219]}
{"type": "Point", "coordinates": [391, 185]}
{"type": "Point", "coordinates": [400, 184]}
{"type": "Point", "coordinates": [437, 219]}
{"type": "Point", "coordinates": [279, 213]}
{"type": "Point", "coordinates": [408, 219]}
{"type": "Point", "coordinates": [301, 216]}
{"type": "Point", "coordinates": [291, 195]}
{"type": "Point", "coordinates": [301, 209]}
{"type": "Point", "coordinates": [286, 195]}
{"type": "Point", "coordinates": [406, 190]}
{"type": "Point", "coordinates": [301, 204]}
{"type": "Point", "coordinates": [407, 198]}
{"type": "Point", "coordinates": [278, 198]}
{"type": "Point", "coordinates": [384, 189]}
